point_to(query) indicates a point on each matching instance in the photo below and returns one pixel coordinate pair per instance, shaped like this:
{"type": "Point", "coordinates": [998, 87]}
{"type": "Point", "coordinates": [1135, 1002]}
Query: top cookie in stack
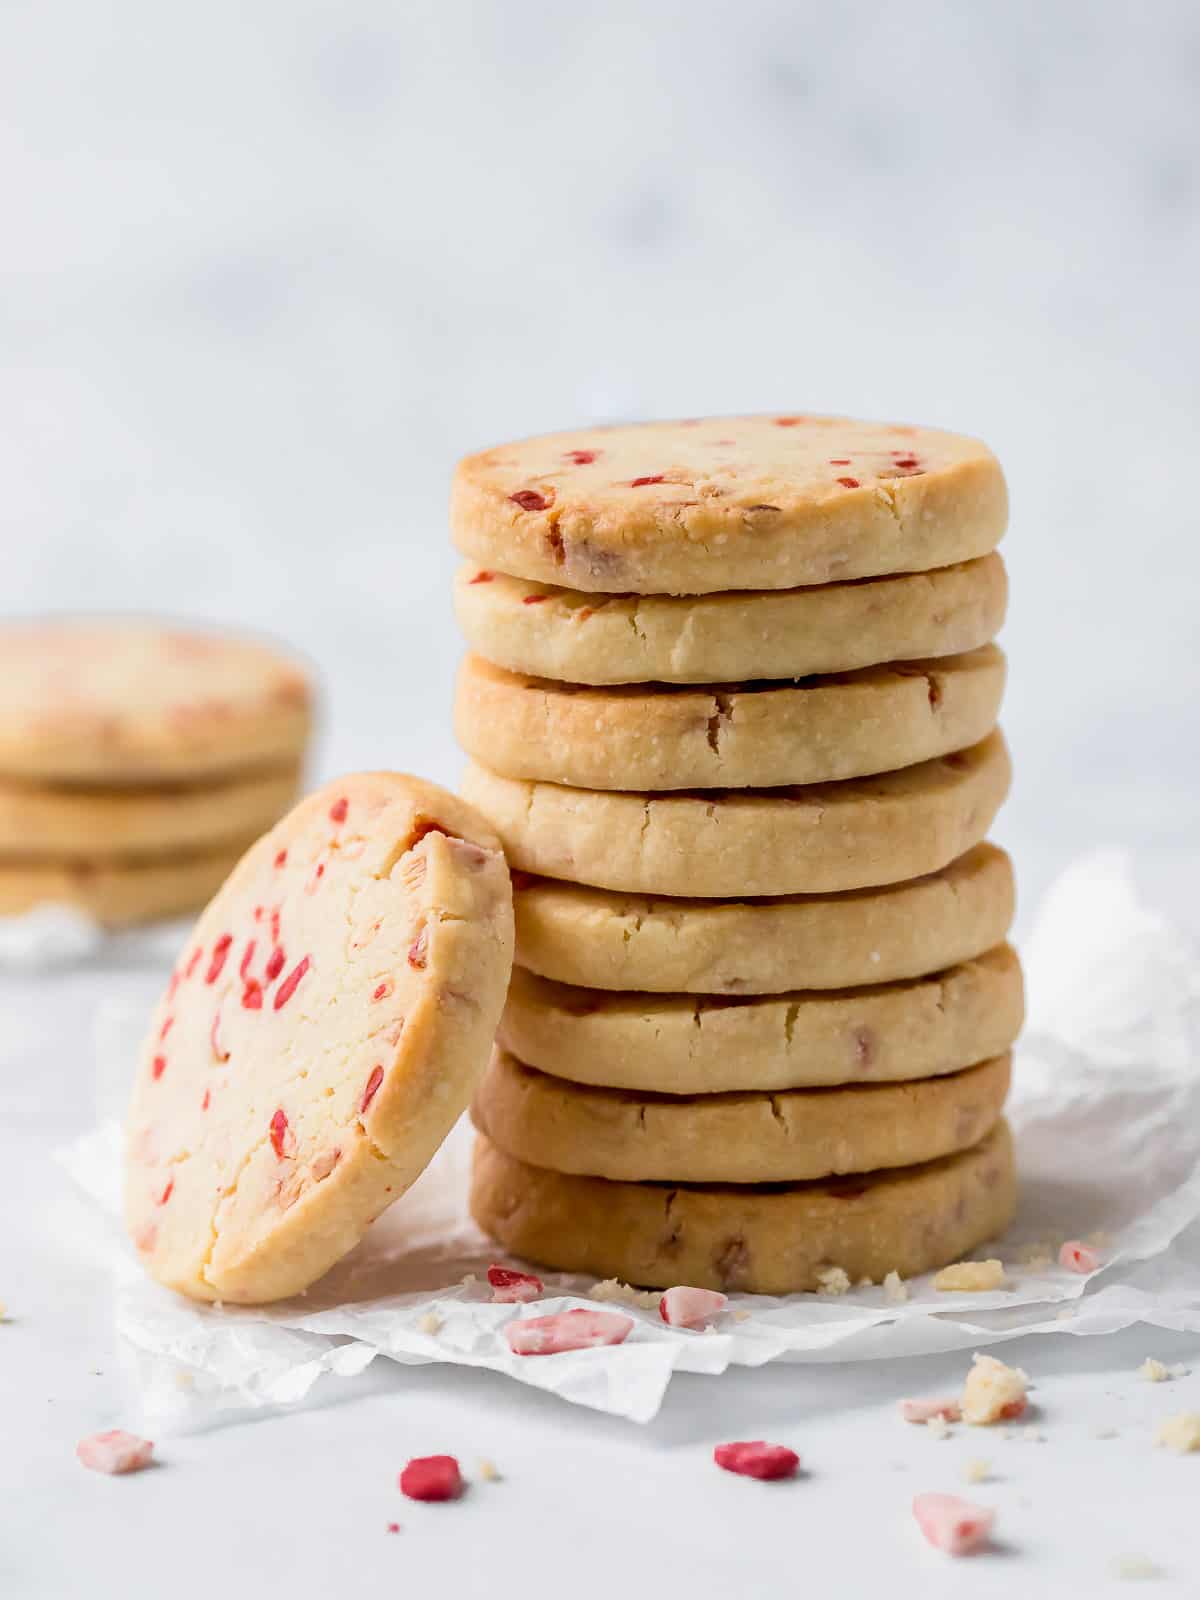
{"type": "Point", "coordinates": [734, 704]}
{"type": "Point", "coordinates": [138, 761]}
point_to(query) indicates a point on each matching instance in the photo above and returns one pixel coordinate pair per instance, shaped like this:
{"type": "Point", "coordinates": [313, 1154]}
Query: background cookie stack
{"type": "Point", "coordinates": [138, 762]}
{"type": "Point", "coordinates": [732, 711]}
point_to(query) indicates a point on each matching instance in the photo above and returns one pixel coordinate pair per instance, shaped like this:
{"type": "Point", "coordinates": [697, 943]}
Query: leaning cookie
{"type": "Point", "coordinates": [322, 1032]}
{"type": "Point", "coordinates": [769, 1239]}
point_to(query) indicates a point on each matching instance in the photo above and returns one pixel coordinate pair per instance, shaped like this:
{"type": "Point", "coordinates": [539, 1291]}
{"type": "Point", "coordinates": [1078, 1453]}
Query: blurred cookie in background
{"type": "Point", "coordinates": [138, 760]}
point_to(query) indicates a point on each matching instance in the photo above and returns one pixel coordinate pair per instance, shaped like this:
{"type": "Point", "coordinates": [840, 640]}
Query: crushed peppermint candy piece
{"type": "Point", "coordinates": [994, 1392]}
{"type": "Point", "coordinates": [953, 1524]}
{"type": "Point", "coordinates": [567, 1330]}
{"type": "Point", "coordinates": [755, 1458]}
{"type": "Point", "coordinates": [431, 1478]}
{"type": "Point", "coordinates": [1078, 1257]}
{"type": "Point", "coordinates": [514, 1288]}
{"type": "Point", "coordinates": [115, 1451]}
{"type": "Point", "coordinates": [685, 1307]}
{"type": "Point", "coordinates": [922, 1410]}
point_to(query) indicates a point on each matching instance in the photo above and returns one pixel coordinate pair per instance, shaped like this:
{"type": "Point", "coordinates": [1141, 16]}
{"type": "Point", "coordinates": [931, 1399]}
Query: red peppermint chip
{"type": "Point", "coordinates": [754, 1458]}
{"type": "Point", "coordinates": [639, 483]}
{"type": "Point", "coordinates": [514, 1288]}
{"type": "Point", "coordinates": [581, 458]}
{"type": "Point", "coordinates": [953, 1525]}
{"type": "Point", "coordinates": [529, 500]}
{"type": "Point", "coordinates": [567, 1330]}
{"type": "Point", "coordinates": [220, 951]}
{"type": "Point", "coordinates": [338, 810]}
{"type": "Point", "coordinates": [372, 1089]}
{"type": "Point", "coordinates": [279, 1133]}
{"type": "Point", "coordinates": [431, 1478]}
{"type": "Point", "coordinates": [115, 1451]}
{"type": "Point", "coordinates": [287, 988]}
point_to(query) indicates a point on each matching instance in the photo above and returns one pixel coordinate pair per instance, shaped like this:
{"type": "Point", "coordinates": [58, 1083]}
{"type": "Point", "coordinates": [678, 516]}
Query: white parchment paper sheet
{"type": "Point", "coordinates": [1107, 1114]}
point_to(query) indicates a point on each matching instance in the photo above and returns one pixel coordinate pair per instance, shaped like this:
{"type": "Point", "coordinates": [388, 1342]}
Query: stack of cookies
{"type": "Point", "coordinates": [137, 762]}
{"type": "Point", "coordinates": [732, 710]}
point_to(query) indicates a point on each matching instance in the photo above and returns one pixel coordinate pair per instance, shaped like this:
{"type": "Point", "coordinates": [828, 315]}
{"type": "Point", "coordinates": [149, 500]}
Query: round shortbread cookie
{"type": "Point", "coordinates": [37, 820]}
{"type": "Point", "coordinates": [680, 1044]}
{"type": "Point", "coordinates": [326, 1026]}
{"type": "Point", "coordinates": [122, 701]}
{"type": "Point", "coordinates": [577, 637]}
{"type": "Point", "coordinates": [728, 503]}
{"type": "Point", "coordinates": [734, 1138]}
{"type": "Point", "coordinates": [118, 894]}
{"type": "Point", "coordinates": [733, 736]}
{"type": "Point", "coordinates": [606, 940]}
{"type": "Point", "coordinates": [859, 833]}
{"type": "Point", "coordinates": [771, 1239]}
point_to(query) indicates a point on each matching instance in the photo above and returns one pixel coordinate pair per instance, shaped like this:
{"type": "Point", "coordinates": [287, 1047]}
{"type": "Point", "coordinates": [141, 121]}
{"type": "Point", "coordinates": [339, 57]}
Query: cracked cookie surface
{"type": "Point", "coordinates": [577, 637]}
{"type": "Point", "coordinates": [754, 735]}
{"type": "Point", "coordinates": [322, 1032]}
{"type": "Point", "coordinates": [766, 1239]}
{"type": "Point", "coordinates": [787, 1137]}
{"type": "Point", "coordinates": [689, 1045]}
{"type": "Point", "coordinates": [859, 833]}
{"type": "Point", "coordinates": [604, 939]}
{"type": "Point", "coordinates": [697, 507]}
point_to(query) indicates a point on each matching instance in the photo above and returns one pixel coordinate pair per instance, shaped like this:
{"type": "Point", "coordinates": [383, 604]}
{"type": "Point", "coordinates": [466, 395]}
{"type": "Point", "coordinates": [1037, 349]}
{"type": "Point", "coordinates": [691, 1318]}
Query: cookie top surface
{"type": "Point", "coordinates": [697, 507]}
{"type": "Point", "coordinates": [131, 701]}
{"type": "Point", "coordinates": [322, 1032]}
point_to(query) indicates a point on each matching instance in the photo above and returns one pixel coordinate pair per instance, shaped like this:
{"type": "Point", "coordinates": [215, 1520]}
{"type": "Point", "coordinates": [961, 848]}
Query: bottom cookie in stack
{"type": "Point", "coordinates": [777, 1238]}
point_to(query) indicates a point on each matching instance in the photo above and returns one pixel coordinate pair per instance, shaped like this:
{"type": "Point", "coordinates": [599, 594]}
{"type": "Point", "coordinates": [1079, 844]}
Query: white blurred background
{"type": "Point", "coordinates": [269, 268]}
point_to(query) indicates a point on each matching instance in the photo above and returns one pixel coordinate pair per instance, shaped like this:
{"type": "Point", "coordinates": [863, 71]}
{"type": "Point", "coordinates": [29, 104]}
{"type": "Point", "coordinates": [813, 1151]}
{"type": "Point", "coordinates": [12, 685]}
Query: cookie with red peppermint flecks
{"type": "Point", "coordinates": [695, 507]}
{"type": "Point", "coordinates": [322, 1032]}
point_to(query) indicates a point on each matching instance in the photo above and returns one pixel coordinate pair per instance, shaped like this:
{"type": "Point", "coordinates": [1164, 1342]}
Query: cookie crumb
{"type": "Point", "coordinates": [614, 1292]}
{"type": "Point", "coordinates": [1153, 1370]}
{"type": "Point", "coordinates": [1035, 1255]}
{"type": "Point", "coordinates": [977, 1471]}
{"type": "Point", "coordinates": [1180, 1433]}
{"type": "Point", "coordinates": [1100, 1240]}
{"type": "Point", "coordinates": [1136, 1567]}
{"type": "Point", "coordinates": [741, 1316]}
{"type": "Point", "coordinates": [865, 1283]}
{"type": "Point", "coordinates": [993, 1392]}
{"type": "Point", "coordinates": [833, 1281]}
{"type": "Point", "coordinates": [488, 1471]}
{"type": "Point", "coordinates": [469, 1281]}
{"type": "Point", "coordinates": [938, 1427]}
{"type": "Point", "coordinates": [430, 1323]}
{"type": "Point", "coordinates": [895, 1289]}
{"type": "Point", "coordinates": [970, 1277]}
{"type": "Point", "coordinates": [1033, 1435]}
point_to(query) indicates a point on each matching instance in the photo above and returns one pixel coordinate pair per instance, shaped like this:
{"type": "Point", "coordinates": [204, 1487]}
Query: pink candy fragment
{"type": "Point", "coordinates": [514, 1288]}
{"type": "Point", "coordinates": [685, 1307]}
{"type": "Point", "coordinates": [115, 1451]}
{"type": "Point", "coordinates": [1078, 1257]}
{"type": "Point", "coordinates": [568, 1330]}
{"type": "Point", "coordinates": [755, 1458]}
{"type": "Point", "coordinates": [926, 1410]}
{"type": "Point", "coordinates": [951, 1524]}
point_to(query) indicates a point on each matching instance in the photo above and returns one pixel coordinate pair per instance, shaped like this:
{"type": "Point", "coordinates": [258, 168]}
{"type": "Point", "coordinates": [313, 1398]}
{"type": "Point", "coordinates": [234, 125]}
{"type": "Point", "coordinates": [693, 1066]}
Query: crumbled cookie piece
{"type": "Point", "coordinates": [614, 1292]}
{"type": "Point", "coordinates": [833, 1281]}
{"type": "Point", "coordinates": [895, 1289]}
{"type": "Point", "coordinates": [1035, 1255]}
{"type": "Point", "coordinates": [488, 1471]}
{"type": "Point", "coordinates": [970, 1277]}
{"type": "Point", "coordinates": [977, 1470]}
{"type": "Point", "coordinates": [938, 1427]}
{"type": "Point", "coordinates": [924, 1410]}
{"type": "Point", "coordinates": [994, 1392]}
{"type": "Point", "coordinates": [1153, 1370]}
{"type": "Point", "coordinates": [430, 1323]}
{"type": "Point", "coordinates": [1136, 1567]}
{"type": "Point", "coordinates": [1180, 1433]}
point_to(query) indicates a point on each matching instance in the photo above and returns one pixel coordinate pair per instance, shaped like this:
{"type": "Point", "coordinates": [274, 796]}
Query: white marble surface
{"type": "Point", "coordinates": [268, 269]}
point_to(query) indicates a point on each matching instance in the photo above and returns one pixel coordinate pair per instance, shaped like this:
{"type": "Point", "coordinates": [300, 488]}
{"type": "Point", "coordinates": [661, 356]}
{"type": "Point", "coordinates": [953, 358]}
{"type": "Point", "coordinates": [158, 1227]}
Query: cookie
{"type": "Point", "coordinates": [754, 735]}
{"type": "Point", "coordinates": [770, 1239]}
{"type": "Point", "coordinates": [324, 1029]}
{"type": "Point", "coordinates": [686, 1045]}
{"type": "Point", "coordinates": [43, 821]}
{"type": "Point", "coordinates": [728, 503]}
{"type": "Point", "coordinates": [724, 843]}
{"type": "Point", "coordinates": [791, 1137]}
{"type": "Point", "coordinates": [117, 701]}
{"type": "Point", "coordinates": [577, 637]}
{"type": "Point", "coordinates": [602, 939]}
{"type": "Point", "coordinates": [118, 894]}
